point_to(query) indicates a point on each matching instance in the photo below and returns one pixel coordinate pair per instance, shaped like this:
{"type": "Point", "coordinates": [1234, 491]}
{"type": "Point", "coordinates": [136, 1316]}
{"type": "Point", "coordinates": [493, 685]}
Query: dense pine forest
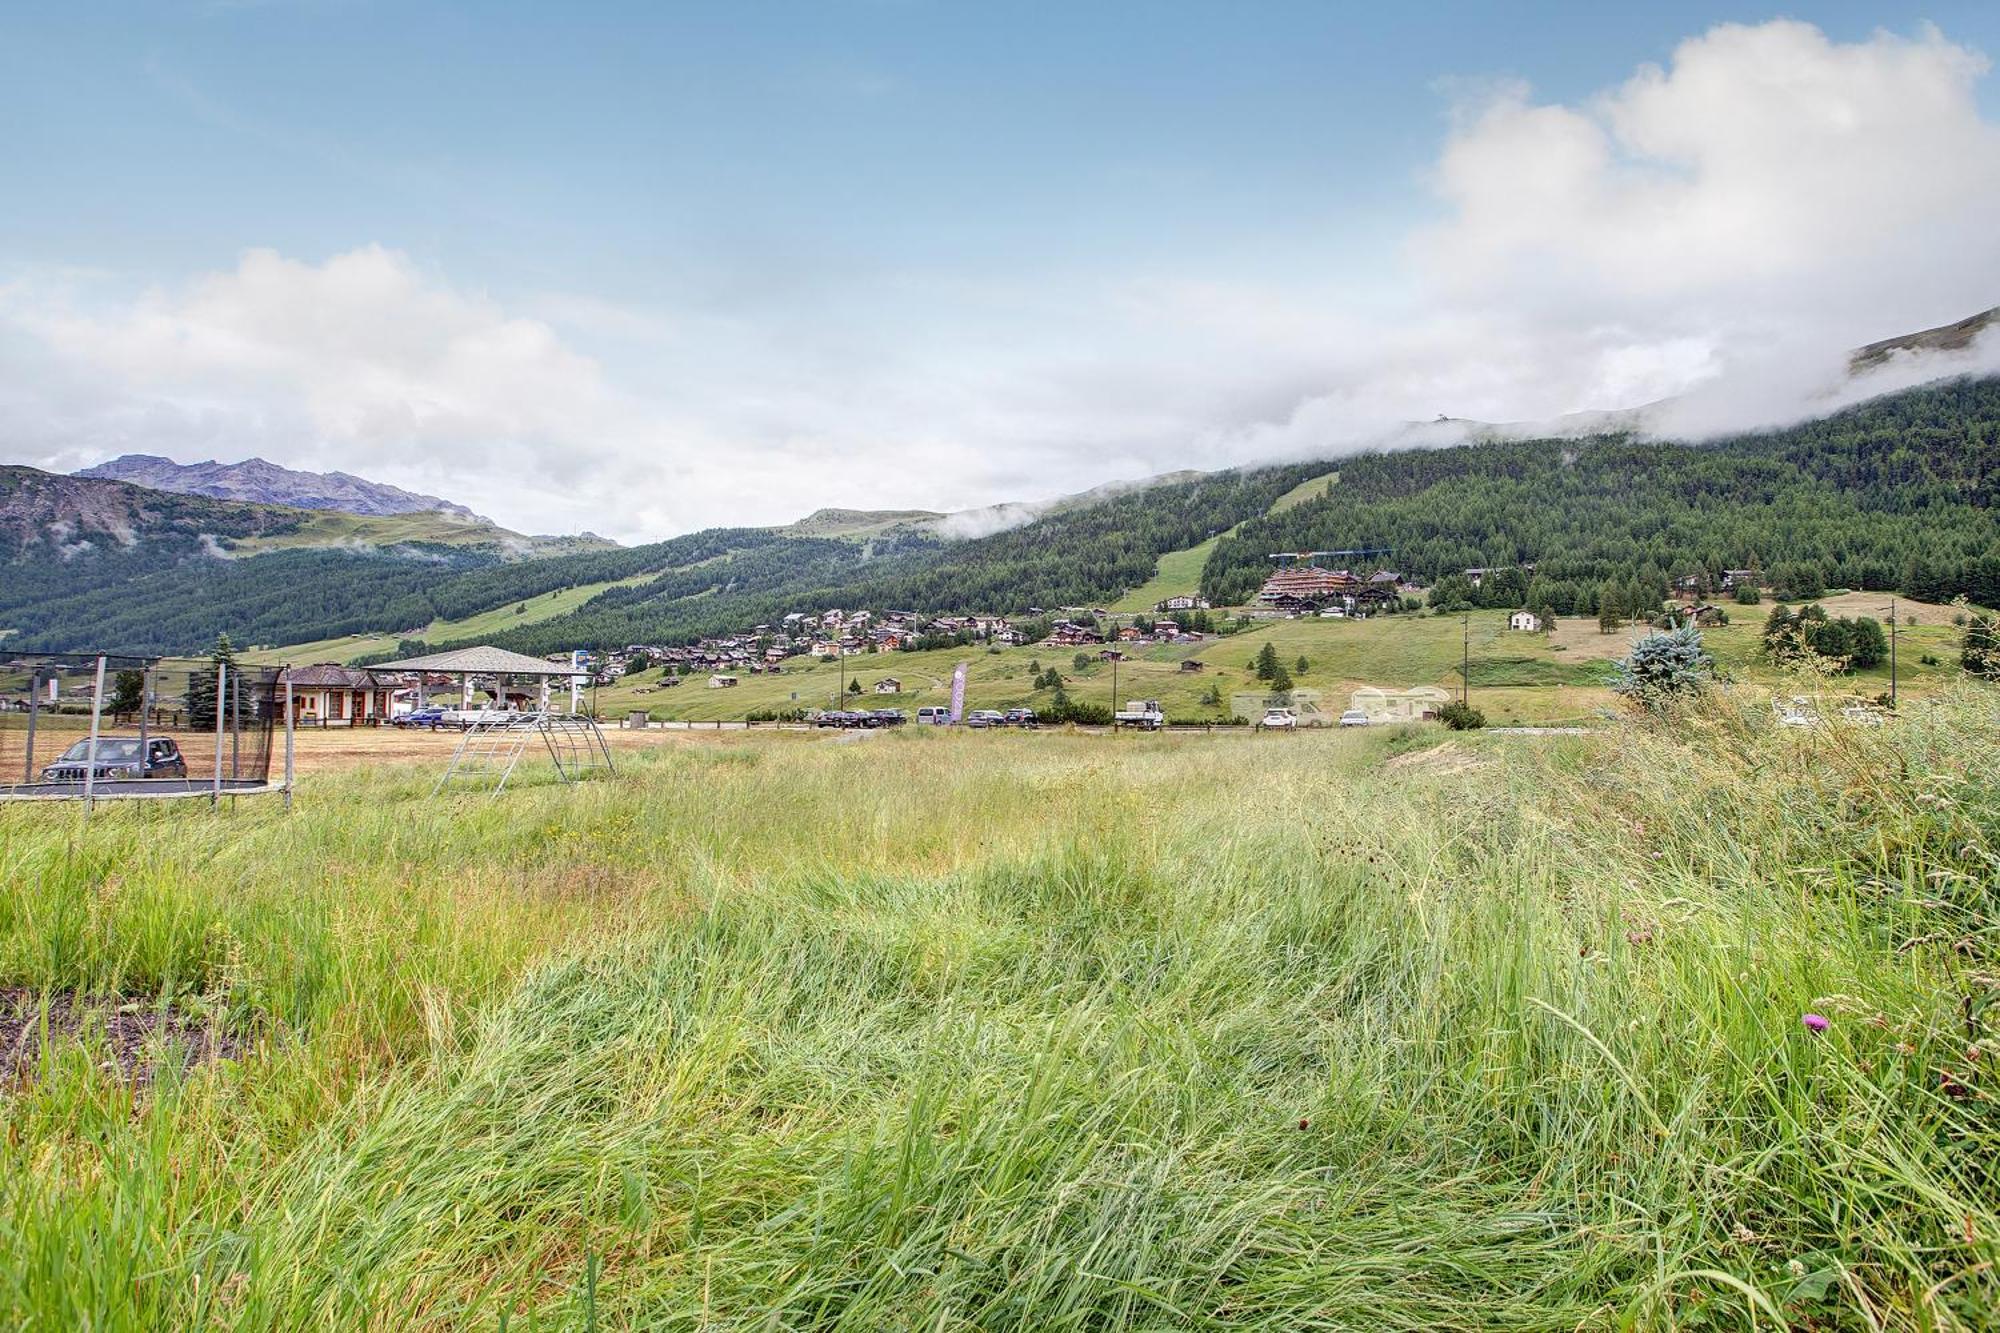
{"type": "Point", "coordinates": [1894, 495]}
{"type": "Point", "coordinates": [1897, 495]}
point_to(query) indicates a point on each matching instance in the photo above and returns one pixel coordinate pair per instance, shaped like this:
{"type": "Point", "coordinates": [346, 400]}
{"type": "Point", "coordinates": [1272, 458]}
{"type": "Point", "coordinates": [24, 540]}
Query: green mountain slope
{"type": "Point", "coordinates": [1896, 494]}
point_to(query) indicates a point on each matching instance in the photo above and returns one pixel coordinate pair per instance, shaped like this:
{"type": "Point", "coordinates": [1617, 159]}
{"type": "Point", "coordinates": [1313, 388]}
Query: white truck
{"type": "Point", "coordinates": [1145, 714]}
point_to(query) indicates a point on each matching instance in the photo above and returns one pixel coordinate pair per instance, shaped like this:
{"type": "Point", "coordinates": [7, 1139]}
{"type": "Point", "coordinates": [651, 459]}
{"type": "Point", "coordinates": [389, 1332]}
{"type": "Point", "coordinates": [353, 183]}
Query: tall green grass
{"type": "Point", "coordinates": [1042, 1032]}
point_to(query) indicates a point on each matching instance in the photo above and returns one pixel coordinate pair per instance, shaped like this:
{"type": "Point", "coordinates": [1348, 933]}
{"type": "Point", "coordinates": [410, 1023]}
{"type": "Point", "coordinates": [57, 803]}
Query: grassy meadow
{"type": "Point", "coordinates": [1516, 677]}
{"type": "Point", "coordinates": [1387, 1029]}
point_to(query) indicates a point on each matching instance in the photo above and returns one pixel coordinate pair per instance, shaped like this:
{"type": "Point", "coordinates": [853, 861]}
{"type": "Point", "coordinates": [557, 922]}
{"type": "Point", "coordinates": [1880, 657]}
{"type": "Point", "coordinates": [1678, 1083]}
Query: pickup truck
{"type": "Point", "coordinates": [1145, 714]}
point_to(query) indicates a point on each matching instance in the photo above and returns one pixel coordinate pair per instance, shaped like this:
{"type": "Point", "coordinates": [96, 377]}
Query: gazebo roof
{"type": "Point", "coordinates": [483, 661]}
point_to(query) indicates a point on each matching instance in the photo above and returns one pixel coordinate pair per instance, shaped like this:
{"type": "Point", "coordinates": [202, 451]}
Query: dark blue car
{"type": "Point", "coordinates": [421, 717]}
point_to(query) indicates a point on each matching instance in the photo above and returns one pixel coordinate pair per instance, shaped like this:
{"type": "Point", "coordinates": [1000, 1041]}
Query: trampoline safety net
{"type": "Point", "coordinates": [165, 726]}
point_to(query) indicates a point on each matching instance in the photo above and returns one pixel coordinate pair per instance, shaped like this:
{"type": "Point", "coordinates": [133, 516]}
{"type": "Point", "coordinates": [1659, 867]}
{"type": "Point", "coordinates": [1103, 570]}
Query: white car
{"type": "Point", "coordinates": [467, 718]}
{"type": "Point", "coordinates": [1354, 717]}
{"type": "Point", "coordinates": [1280, 719]}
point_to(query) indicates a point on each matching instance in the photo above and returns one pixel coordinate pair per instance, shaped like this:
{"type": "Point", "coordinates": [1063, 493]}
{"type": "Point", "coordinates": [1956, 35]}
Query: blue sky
{"type": "Point", "coordinates": [749, 258]}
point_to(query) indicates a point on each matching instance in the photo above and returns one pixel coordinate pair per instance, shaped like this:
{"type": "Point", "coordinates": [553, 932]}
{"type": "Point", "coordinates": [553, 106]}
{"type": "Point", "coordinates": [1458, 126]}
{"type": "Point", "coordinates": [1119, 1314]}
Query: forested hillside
{"type": "Point", "coordinates": [1897, 494]}
{"type": "Point", "coordinates": [1075, 556]}
{"type": "Point", "coordinates": [298, 595]}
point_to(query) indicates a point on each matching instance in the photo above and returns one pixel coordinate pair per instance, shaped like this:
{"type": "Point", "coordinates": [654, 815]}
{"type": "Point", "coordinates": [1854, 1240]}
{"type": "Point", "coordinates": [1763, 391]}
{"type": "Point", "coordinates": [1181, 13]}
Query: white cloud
{"type": "Point", "coordinates": [362, 363]}
{"type": "Point", "coordinates": [1721, 229]}
{"type": "Point", "coordinates": [1724, 229]}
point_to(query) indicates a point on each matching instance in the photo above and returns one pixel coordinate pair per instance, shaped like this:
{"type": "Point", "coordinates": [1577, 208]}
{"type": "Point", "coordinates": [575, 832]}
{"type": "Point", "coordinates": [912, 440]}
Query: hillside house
{"type": "Point", "coordinates": [1183, 601]}
{"type": "Point", "coordinates": [1524, 620]}
{"type": "Point", "coordinates": [329, 695]}
{"type": "Point", "coordinates": [1297, 586]}
{"type": "Point", "coordinates": [721, 682]}
{"type": "Point", "coordinates": [1477, 575]}
{"type": "Point", "coordinates": [888, 685]}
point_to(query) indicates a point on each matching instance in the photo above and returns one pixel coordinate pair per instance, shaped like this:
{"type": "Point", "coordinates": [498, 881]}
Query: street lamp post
{"type": "Point", "coordinates": [1114, 694]}
{"type": "Point", "coordinates": [1465, 660]}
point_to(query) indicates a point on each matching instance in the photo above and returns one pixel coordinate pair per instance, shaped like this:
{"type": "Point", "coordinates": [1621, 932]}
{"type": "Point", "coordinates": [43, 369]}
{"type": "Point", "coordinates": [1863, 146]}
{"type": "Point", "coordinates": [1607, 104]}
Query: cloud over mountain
{"type": "Point", "coordinates": [1720, 228]}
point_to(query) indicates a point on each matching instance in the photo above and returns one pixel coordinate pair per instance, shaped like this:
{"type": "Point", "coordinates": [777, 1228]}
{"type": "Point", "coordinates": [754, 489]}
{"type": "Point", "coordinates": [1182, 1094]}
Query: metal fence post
{"type": "Point", "coordinates": [34, 712]}
{"type": "Point", "coordinates": [145, 699]}
{"type": "Point", "coordinates": [221, 693]}
{"type": "Point", "coordinates": [236, 735]}
{"type": "Point", "coordinates": [90, 755]}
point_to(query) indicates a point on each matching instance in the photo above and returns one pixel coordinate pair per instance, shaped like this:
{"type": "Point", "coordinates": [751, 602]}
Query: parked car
{"type": "Point", "coordinates": [428, 716]}
{"type": "Point", "coordinates": [1279, 719]}
{"type": "Point", "coordinates": [985, 717]}
{"type": "Point", "coordinates": [1354, 717]}
{"type": "Point", "coordinates": [119, 757]}
{"type": "Point", "coordinates": [832, 717]}
{"type": "Point", "coordinates": [890, 717]}
{"type": "Point", "coordinates": [933, 717]}
{"type": "Point", "coordinates": [467, 718]}
{"type": "Point", "coordinates": [1021, 717]}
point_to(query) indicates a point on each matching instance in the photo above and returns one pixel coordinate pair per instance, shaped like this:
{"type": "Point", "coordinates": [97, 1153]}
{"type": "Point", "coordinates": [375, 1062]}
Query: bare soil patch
{"type": "Point", "coordinates": [334, 749]}
{"type": "Point", "coordinates": [1854, 604]}
{"type": "Point", "coordinates": [1446, 760]}
{"type": "Point", "coordinates": [135, 1034]}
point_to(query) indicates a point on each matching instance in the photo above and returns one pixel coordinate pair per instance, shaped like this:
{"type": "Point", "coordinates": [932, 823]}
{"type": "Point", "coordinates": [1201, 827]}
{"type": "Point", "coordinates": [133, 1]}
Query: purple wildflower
{"type": "Point", "coordinates": [1817, 1022]}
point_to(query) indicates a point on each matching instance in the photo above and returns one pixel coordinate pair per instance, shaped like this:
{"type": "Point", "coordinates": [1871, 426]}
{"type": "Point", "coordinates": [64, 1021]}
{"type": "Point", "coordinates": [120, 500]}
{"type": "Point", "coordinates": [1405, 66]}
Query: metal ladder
{"type": "Point", "coordinates": [486, 753]}
{"type": "Point", "coordinates": [490, 751]}
{"type": "Point", "coordinates": [576, 745]}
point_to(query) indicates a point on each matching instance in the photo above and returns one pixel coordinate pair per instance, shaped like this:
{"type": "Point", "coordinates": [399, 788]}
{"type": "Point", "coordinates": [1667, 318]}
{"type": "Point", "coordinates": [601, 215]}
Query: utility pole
{"type": "Point", "coordinates": [1114, 694]}
{"type": "Point", "coordinates": [1892, 654]}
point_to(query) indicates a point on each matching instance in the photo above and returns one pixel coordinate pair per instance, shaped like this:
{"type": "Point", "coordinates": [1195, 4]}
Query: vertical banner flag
{"type": "Point", "coordinates": [958, 692]}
